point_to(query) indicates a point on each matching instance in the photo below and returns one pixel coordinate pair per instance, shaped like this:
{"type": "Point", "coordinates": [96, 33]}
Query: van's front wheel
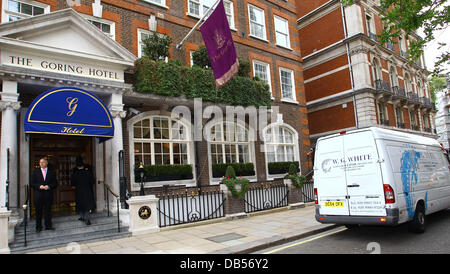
{"type": "Point", "coordinates": [418, 223]}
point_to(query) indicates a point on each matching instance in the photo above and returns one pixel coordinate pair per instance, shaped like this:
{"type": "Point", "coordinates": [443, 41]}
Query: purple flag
{"type": "Point", "coordinates": [220, 46]}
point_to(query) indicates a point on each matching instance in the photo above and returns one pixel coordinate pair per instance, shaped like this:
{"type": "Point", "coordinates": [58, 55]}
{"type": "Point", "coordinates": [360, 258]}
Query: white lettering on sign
{"type": "Point", "coordinates": [59, 66]}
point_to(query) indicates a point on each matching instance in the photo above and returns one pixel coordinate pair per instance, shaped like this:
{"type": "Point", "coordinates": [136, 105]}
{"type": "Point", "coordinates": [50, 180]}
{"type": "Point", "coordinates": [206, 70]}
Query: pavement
{"type": "Point", "coordinates": [228, 235]}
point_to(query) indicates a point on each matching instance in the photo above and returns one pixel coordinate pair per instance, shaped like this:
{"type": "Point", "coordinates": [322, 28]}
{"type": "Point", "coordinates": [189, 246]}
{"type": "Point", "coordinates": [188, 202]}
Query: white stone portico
{"type": "Point", "coordinates": [58, 49]}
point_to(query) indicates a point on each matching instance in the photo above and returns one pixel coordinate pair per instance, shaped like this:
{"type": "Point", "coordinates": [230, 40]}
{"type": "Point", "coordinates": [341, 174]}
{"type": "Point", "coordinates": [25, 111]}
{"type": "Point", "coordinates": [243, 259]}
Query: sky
{"type": "Point", "coordinates": [431, 51]}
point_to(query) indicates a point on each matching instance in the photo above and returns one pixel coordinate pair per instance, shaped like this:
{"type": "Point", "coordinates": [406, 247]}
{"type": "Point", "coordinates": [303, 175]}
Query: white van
{"type": "Point", "coordinates": [377, 176]}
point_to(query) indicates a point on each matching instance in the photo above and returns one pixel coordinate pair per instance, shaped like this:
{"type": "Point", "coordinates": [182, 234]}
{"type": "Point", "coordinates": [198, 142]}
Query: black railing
{"type": "Point", "coordinates": [413, 97]}
{"type": "Point", "coordinates": [191, 205]}
{"type": "Point", "coordinates": [7, 180]}
{"type": "Point", "coordinates": [25, 208]}
{"type": "Point", "coordinates": [400, 125]}
{"type": "Point", "coordinates": [427, 129]}
{"type": "Point", "coordinates": [426, 101]}
{"type": "Point", "coordinates": [415, 127]}
{"type": "Point", "coordinates": [308, 192]}
{"type": "Point", "coordinates": [380, 85]}
{"type": "Point", "coordinates": [384, 122]}
{"type": "Point", "coordinates": [266, 195]}
{"type": "Point", "coordinates": [108, 190]}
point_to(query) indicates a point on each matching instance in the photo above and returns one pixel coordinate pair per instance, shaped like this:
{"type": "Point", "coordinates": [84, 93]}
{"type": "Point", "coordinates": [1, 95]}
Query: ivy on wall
{"type": "Point", "coordinates": [173, 79]}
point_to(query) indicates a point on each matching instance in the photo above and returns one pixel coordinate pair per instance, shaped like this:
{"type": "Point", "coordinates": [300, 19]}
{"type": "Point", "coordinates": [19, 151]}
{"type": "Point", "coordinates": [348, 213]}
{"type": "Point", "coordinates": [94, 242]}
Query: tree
{"type": "Point", "coordinates": [436, 84]}
{"type": "Point", "coordinates": [411, 15]}
{"type": "Point", "coordinates": [156, 46]}
{"type": "Point", "coordinates": [200, 58]}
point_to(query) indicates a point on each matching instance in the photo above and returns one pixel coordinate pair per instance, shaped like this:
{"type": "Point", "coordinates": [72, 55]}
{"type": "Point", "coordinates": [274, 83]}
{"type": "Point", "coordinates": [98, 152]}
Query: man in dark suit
{"type": "Point", "coordinates": [43, 181]}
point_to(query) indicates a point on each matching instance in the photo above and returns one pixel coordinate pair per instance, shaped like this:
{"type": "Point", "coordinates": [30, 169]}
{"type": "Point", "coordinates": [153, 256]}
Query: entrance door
{"type": "Point", "coordinates": [61, 152]}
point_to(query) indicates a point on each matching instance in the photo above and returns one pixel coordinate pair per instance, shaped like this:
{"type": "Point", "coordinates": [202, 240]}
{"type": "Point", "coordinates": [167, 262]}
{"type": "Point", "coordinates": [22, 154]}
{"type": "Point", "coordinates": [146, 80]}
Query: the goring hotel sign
{"type": "Point", "coordinates": [60, 66]}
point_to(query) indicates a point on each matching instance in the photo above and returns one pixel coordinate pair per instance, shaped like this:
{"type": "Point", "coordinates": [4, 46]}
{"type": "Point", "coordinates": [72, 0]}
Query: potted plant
{"type": "Point", "coordinates": [237, 186]}
{"type": "Point", "coordinates": [297, 180]}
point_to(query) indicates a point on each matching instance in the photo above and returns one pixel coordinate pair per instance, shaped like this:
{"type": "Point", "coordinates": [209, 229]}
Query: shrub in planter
{"type": "Point", "coordinates": [165, 173]}
{"type": "Point", "coordinates": [297, 180]}
{"type": "Point", "coordinates": [282, 167]}
{"type": "Point", "coordinates": [237, 186]}
{"type": "Point", "coordinates": [241, 169]}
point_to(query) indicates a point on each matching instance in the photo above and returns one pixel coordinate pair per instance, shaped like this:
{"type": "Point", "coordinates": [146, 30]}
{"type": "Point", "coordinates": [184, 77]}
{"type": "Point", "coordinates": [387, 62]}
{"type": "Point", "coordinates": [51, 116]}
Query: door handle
{"type": "Point", "coordinates": [352, 185]}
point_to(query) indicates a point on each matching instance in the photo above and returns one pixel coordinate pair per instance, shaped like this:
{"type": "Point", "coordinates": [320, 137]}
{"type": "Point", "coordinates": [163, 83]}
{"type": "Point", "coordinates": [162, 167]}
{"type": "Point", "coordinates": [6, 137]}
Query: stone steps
{"type": "Point", "coordinates": [68, 229]}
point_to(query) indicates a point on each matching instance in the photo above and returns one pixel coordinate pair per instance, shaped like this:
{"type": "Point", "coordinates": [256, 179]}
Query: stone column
{"type": "Point", "coordinates": [233, 207]}
{"type": "Point", "coordinates": [113, 146]}
{"type": "Point", "coordinates": [4, 215]}
{"type": "Point", "coordinates": [8, 105]}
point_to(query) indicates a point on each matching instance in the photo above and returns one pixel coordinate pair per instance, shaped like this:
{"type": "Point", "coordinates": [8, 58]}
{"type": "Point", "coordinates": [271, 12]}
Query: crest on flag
{"type": "Point", "coordinates": [220, 46]}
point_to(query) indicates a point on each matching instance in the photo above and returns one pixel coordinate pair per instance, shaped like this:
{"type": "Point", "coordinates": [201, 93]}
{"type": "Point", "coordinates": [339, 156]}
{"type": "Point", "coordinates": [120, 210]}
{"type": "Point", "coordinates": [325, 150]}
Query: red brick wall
{"type": "Point", "coordinates": [328, 85]}
{"type": "Point", "coordinates": [332, 118]}
{"type": "Point", "coordinates": [322, 32]}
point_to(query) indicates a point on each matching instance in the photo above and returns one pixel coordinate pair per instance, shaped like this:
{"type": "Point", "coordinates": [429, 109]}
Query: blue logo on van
{"type": "Point", "coordinates": [408, 169]}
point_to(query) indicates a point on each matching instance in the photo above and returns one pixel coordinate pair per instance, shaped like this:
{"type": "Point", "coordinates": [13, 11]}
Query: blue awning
{"type": "Point", "coordinates": [69, 111]}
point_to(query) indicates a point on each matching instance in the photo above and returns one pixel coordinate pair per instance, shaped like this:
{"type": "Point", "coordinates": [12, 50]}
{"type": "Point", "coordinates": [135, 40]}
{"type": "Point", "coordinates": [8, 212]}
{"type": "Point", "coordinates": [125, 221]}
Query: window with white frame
{"type": "Point", "coordinates": [157, 2]}
{"type": "Point", "coordinates": [280, 144]}
{"type": "Point", "coordinates": [160, 140]}
{"type": "Point", "coordinates": [142, 35]}
{"type": "Point", "coordinates": [104, 26]}
{"type": "Point", "coordinates": [15, 10]}
{"type": "Point", "coordinates": [198, 8]}
{"type": "Point", "coordinates": [229, 143]}
{"type": "Point", "coordinates": [257, 22]}
{"type": "Point", "coordinates": [287, 84]}
{"type": "Point", "coordinates": [393, 77]}
{"type": "Point", "coordinates": [282, 32]}
{"type": "Point", "coordinates": [262, 70]}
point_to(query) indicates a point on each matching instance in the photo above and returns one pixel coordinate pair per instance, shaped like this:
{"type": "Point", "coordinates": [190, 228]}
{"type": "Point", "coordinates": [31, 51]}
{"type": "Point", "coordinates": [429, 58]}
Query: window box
{"type": "Point", "coordinates": [281, 167]}
{"type": "Point", "coordinates": [241, 169]}
{"type": "Point", "coordinates": [154, 173]}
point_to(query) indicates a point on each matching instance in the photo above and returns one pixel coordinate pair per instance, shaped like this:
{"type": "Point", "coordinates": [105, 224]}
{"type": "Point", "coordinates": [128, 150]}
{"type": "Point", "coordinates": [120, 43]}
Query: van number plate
{"type": "Point", "coordinates": [333, 204]}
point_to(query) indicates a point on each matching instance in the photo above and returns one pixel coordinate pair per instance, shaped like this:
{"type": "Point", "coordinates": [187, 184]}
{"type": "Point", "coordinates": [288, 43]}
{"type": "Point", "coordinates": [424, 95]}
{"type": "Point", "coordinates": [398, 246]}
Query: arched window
{"type": "Point", "coordinates": [393, 77]}
{"type": "Point", "coordinates": [160, 140]}
{"type": "Point", "coordinates": [229, 144]}
{"type": "Point", "coordinates": [408, 87]}
{"type": "Point", "coordinates": [376, 70]}
{"type": "Point", "coordinates": [280, 144]}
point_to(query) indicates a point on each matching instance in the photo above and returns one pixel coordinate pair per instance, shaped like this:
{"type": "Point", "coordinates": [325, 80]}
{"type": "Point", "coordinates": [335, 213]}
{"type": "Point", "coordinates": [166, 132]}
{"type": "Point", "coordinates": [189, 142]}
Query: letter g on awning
{"type": "Point", "coordinates": [69, 111]}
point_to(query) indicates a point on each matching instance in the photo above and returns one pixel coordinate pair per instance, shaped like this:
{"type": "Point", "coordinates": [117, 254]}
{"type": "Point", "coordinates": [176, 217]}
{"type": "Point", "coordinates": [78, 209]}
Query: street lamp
{"type": "Point", "coordinates": [141, 171]}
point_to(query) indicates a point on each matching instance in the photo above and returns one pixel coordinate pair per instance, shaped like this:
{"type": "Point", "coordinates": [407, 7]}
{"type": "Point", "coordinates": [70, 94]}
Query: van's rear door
{"type": "Point", "coordinates": [363, 173]}
{"type": "Point", "coordinates": [329, 177]}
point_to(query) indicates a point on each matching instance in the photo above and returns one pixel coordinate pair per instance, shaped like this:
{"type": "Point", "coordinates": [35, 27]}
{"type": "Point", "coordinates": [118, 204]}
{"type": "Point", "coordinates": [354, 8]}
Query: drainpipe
{"type": "Point", "coordinates": [344, 23]}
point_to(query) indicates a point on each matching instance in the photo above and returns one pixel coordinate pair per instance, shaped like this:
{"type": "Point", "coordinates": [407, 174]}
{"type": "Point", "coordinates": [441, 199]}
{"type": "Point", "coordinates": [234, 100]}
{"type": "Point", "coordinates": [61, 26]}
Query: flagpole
{"type": "Point", "coordinates": [179, 45]}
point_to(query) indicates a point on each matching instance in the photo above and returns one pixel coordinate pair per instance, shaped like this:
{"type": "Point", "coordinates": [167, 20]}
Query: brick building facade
{"type": "Point", "coordinates": [372, 84]}
{"type": "Point", "coordinates": [264, 33]}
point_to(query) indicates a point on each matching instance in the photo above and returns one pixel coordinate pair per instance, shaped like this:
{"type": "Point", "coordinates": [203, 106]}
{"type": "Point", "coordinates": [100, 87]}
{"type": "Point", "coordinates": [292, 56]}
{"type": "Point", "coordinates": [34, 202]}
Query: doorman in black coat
{"type": "Point", "coordinates": [43, 181]}
{"type": "Point", "coordinates": [83, 181]}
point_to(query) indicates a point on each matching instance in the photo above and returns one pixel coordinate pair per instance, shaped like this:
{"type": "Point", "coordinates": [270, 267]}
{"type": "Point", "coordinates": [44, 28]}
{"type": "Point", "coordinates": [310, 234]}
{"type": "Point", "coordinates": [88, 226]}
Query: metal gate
{"type": "Point", "coordinates": [266, 195]}
{"type": "Point", "coordinates": [192, 205]}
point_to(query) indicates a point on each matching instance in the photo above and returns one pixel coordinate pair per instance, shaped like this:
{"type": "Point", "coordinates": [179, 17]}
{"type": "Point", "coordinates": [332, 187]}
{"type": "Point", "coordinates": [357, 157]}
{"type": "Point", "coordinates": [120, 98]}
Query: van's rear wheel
{"type": "Point", "coordinates": [351, 226]}
{"type": "Point", "coordinates": [418, 223]}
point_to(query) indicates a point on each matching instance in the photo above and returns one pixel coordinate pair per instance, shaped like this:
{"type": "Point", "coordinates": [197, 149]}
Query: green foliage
{"type": "Point", "coordinates": [200, 58]}
{"type": "Point", "coordinates": [241, 169]}
{"type": "Point", "coordinates": [162, 170]}
{"type": "Point", "coordinates": [411, 15]}
{"type": "Point", "coordinates": [156, 46]}
{"type": "Point", "coordinates": [436, 84]}
{"type": "Point", "coordinates": [244, 68]}
{"type": "Point", "coordinates": [283, 167]}
{"type": "Point", "coordinates": [297, 181]}
{"type": "Point", "coordinates": [233, 183]}
{"type": "Point", "coordinates": [173, 79]}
